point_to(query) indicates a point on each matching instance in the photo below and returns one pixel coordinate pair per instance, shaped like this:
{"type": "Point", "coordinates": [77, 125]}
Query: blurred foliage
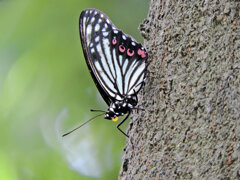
{"type": "Point", "coordinates": [46, 90]}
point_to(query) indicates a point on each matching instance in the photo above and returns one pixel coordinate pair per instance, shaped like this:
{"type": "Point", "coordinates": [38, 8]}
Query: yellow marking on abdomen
{"type": "Point", "coordinates": [115, 119]}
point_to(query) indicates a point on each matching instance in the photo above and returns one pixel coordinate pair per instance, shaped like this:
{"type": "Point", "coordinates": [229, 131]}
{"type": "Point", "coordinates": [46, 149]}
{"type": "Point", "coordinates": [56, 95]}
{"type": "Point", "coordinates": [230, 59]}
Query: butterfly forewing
{"type": "Point", "coordinates": [116, 61]}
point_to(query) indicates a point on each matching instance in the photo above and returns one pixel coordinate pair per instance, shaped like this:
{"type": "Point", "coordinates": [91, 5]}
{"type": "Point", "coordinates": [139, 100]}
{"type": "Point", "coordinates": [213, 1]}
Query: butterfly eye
{"type": "Point", "coordinates": [121, 48]}
{"type": "Point", "coordinates": [130, 52]}
{"type": "Point", "coordinates": [114, 41]}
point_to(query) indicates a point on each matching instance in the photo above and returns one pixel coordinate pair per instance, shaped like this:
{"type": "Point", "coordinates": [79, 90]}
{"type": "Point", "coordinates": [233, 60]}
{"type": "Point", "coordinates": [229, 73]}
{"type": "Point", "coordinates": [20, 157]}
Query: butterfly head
{"type": "Point", "coordinates": [114, 111]}
{"type": "Point", "coordinates": [119, 108]}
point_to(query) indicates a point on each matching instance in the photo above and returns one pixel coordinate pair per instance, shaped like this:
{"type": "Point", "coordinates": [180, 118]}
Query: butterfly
{"type": "Point", "coordinates": [116, 61]}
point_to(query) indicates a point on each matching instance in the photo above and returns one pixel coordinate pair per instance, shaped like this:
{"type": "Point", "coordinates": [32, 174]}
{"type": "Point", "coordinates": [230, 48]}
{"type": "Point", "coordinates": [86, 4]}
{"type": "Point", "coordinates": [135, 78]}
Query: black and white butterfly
{"type": "Point", "coordinates": [116, 62]}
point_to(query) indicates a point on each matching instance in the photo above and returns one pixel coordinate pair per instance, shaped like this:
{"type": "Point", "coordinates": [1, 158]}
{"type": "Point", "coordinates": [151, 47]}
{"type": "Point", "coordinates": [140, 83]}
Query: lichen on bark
{"type": "Point", "coordinates": [190, 128]}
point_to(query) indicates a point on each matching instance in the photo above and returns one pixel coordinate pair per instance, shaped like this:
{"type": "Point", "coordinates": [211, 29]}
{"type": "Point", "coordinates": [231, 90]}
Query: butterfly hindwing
{"type": "Point", "coordinates": [130, 66]}
{"type": "Point", "coordinates": [116, 61]}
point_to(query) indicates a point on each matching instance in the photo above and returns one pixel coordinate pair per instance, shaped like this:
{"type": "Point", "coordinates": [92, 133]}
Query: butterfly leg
{"type": "Point", "coordinates": [125, 118]}
{"type": "Point", "coordinates": [137, 108]}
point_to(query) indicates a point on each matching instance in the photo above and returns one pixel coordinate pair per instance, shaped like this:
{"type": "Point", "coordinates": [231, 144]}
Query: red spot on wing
{"type": "Point", "coordinates": [130, 52]}
{"type": "Point", "coordinates": [114, 41]}
{"type": "Point", "coordinates": [141, 53]}
{"type": "Point", "coordinates": [122, 48]}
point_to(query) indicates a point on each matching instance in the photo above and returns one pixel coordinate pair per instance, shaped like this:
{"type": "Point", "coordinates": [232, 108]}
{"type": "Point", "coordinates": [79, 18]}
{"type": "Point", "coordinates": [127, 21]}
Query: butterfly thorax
{"type": "Point", "coordinates": [119, 108]}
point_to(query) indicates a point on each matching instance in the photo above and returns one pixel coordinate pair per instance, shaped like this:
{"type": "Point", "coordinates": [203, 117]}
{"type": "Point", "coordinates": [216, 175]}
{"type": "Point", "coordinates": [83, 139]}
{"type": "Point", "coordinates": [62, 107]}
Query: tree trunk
{"type": "Point", "coordinates": [190, 128]}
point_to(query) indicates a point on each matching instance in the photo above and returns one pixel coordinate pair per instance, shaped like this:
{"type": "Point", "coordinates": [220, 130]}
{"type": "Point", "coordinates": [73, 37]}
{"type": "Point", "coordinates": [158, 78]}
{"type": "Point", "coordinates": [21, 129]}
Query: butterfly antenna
{"type": "Point", "coordinates": [82, 124]}
{"type": "Point", "coordinates": [95, 110]}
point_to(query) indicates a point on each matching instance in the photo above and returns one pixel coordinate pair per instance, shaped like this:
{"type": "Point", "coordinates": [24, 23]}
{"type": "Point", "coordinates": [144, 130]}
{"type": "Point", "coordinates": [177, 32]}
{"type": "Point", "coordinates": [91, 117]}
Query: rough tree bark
{"type": "Point", "coordinates": [191, 126]}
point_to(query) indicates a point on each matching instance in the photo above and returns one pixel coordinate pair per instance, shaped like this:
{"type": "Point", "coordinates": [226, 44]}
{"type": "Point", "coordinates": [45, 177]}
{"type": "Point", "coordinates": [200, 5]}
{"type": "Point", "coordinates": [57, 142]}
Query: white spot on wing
{"type": "Point", "coordinates": [118, 72]}
{"type": "Point", "coordinates": [108, 21]}
{"type": "Point", "coordinates": [98, 67]}
{"type": "Point", "coordinates": [88, 34]}
{"type": "Point", "coordinates": [105, 34]}
{"type": "Point", "coordinates": [133, 43]}
{"type": "Point", "coordinates": [96, 39]}
{"type": "Point", "coordinates": [137, 85]}
{"type": "Point", "coordinates": [84, 20]}
{"type": "Point", "coordinates": [101, 15]}
{"type": "Point", "coordinates": [115, 31]}
{"type": "Point", "coordinates": [103, 60]}
{"type": "Point", "coordinates": [106, 45]}
{"type": "Point", "coordinates": [97, 27]}
{"type": "Point", "coordinates": [120, 60]}
{"type": "Point", "coordinates": [84, 23]}
{"type": "Point", "coordinates": [124, 37]}
{"type": "Point", "coordinates": [104, 29]}
{"type": "Point", "coordinates": [128, 74]}
{"type": "Point", "coordinates": [137, 73]}
{"type": "Point", "coordinates": [124, 67]}
{"type": "Point", "coordinates": [118, 97]}
{"type": "Point", "coordinates": [103, 79]}
{"type": "Point", "coordinates": [93, 19]}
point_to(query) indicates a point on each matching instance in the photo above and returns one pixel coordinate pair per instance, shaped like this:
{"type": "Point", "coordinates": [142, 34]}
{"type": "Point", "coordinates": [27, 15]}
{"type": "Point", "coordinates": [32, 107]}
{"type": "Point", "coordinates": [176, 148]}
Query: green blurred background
{"type": "Point", "coordinates": [46, 90]}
